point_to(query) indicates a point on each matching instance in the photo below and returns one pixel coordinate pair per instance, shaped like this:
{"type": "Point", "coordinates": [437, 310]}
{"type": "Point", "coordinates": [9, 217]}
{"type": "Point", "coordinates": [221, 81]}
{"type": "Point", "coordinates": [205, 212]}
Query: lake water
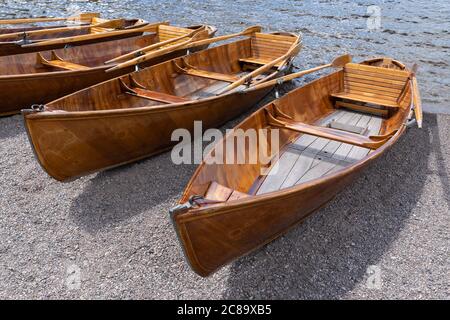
{"type": "Point", "coordinates": [410, 31]}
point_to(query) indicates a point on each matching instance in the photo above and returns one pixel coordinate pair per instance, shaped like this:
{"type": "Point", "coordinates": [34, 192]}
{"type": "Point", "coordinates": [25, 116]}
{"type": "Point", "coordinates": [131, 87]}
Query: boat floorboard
{"type": "Point", "coordinates": [310, 157]}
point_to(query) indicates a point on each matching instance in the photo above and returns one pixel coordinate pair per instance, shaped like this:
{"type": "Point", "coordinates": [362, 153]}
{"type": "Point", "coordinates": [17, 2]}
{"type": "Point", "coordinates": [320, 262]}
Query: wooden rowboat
{"type": "Point", "coordinates": [38, 78]}
{"type": "Point", "coordinates": [133, 117]}
{"type": "Point", "coordinates": [85, 29]}
{"type": "Point", "coordinates": [329, 131]}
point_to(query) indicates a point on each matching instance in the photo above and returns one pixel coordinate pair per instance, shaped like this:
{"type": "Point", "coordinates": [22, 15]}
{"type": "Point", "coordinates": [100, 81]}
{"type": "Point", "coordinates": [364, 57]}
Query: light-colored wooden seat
{"type": "Point", "coordinates": [220, 193]}
{"type": "Point", "coordinates": [367, 98]}
{"type": "Point", "coordinates": [268, 47]}
{"type": "Point", "coordinates": [373, 85]}
{"type": "Point", "coordinates": [57, 62]}
{"type": "Point", "coordinates": [370, 142]}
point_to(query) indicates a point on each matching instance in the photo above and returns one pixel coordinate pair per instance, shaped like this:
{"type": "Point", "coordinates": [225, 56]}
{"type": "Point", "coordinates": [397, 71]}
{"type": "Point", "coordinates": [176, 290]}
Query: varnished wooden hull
{"type": "Point", "coordinates": [82, 144]}
{"type": "Point", "coordinates": [21, 91]}
{"type": "Point", "coordinates": [107, 125]}
{"type": "Point", "coordinates": [215, 234]}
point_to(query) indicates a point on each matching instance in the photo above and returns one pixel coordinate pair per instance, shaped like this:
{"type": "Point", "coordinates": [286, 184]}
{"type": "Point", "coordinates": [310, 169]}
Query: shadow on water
{"type": "Point", "coordinates": [118, 194]}
{"type": "Point", "coordinates": [330, 253]}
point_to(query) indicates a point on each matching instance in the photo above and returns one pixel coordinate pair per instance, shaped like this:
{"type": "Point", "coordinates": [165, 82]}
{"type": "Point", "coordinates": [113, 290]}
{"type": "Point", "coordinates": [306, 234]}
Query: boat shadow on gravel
{"type": "Point", "coordinates": [114, 196]}
{"type": "Point", "coordinates": [330, 253]}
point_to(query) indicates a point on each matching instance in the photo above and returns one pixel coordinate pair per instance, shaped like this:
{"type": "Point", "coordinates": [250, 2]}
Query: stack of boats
{"type": "Point", "coordinates": [98, 93]}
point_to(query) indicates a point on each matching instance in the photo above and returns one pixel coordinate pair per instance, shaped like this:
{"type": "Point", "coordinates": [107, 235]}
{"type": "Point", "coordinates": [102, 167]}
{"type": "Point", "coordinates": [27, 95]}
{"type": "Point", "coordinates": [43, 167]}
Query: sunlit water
{"type": "Point", "coordinates": [410, 31]}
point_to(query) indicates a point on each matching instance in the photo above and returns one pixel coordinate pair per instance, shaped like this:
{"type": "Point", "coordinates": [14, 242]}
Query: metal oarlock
{"type": "Point", "coordinates": [279, 83]}
{"type": "Point", "coordinates": [25, 38]}
{"type": "Point", "coordinates": [37, 107]}
{"type": "Point", "coordinates": [183, 207]}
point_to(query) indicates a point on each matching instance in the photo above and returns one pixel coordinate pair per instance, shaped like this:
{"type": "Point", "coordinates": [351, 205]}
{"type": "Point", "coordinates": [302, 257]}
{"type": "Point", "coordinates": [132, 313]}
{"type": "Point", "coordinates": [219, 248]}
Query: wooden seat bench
{"type": "Point", "coordinates": [373, 85]}
{"type": "Point", "coordinates": [268, 47]}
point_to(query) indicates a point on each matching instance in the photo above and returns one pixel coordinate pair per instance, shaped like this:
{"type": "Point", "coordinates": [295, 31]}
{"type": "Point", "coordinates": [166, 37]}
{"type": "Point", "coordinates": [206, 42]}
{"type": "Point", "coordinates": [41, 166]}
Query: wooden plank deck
{"type": "Point", "coordinates": [310, 157]}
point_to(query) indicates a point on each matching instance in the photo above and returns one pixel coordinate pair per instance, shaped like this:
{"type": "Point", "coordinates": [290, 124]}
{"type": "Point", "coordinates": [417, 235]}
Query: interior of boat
{"type": "Point", "coordinates": [197, 76]}
{"type": "Point", "coordinates": [324, 127]}
{"type": "Point", "coordinates": [86, 56]}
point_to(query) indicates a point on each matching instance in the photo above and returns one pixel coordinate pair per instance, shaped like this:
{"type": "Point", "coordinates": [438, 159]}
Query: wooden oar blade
{"type": "Point", "coordinates": [417, 103]}
{"type": "Point", "coordinates": [414, 69]}
{"type": "Point", "coordinates": [341, 61]}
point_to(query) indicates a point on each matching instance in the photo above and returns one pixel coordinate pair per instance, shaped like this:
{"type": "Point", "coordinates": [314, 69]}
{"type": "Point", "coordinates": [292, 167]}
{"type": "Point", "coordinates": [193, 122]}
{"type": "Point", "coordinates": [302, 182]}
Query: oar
{"type": "Point", "coordinates": [292, 51]}
{"type": "Point", "coordinates": [154, 46]}
{"type": "Point", "coordinates": [338, 62]}
{"type": "Point", "coordinates": [112, 24]}
{"type": "Point", "coordinates": [85, 37]}
{"type": "Point", "coordinates": [154, 54]}
{"type": "Point", "coordinates": [415, 99]}
{"type": "Point", "coordinates": [82, 17]}
{"type": "Point", "coordinates": [246, 32]}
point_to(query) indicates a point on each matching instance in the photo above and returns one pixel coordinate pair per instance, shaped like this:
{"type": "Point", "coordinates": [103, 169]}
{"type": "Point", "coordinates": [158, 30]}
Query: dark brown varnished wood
{"type": "Point", "coordinates": [218, 228]}
{"type": "Point", "coordinates": [27, 80]}
{"type": "Point", "coordinates": [133, 117]}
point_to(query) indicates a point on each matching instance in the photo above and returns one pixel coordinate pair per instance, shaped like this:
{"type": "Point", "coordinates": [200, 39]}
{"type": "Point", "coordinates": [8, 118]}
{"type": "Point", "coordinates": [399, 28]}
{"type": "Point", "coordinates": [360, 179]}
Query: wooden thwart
{"type": "Point", "coordinates": [220, 193]}
{"type": "Point", "coordinates": [371, 142]}
{"type": "Point", "coordinates": [57, 62]}
{"type": "Point", "coordinates": [365, 98]}
{"type": "Point", "coordinates": [141, 92]}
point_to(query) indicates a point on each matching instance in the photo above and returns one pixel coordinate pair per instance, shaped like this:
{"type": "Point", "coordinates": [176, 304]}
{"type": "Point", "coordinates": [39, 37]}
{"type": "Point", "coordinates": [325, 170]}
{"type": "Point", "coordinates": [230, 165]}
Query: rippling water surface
{"type": "Point", "coordinates": [410, 31]}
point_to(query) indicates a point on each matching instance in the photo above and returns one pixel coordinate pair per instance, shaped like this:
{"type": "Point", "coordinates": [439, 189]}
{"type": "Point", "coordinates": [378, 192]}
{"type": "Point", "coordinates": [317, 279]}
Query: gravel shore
{"type": "Point", "coordinates": [108, 235]}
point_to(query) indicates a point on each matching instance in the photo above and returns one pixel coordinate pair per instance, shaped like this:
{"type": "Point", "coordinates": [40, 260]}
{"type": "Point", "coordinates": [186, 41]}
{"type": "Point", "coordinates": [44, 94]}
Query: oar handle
{"type": "Point", "coordinates": [192, 42]}
{"type": "Point", "coordinates": [338, 62]}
